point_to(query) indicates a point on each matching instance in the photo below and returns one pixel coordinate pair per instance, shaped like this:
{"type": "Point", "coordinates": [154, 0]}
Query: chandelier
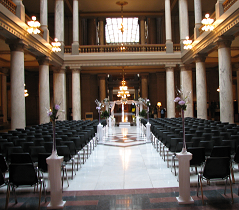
{"type": "Point", "coordinates": [207, 22]}
{"type": "Point", "coordinates": [122, 3]}
{"type": "Point", "coordinates": [123, 92]}
{"type": "Point", "coordinates": [187, 43]}
{"type": "Point", "coordinates": [56, 45]}
{"type": "Point", "coordinates": [34, 25]}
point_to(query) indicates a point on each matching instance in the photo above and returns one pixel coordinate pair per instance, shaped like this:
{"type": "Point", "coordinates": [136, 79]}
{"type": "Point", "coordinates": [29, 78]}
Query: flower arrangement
{"type": "Point", "coordinates": [99, 105]}
{"type": "Point", "coordinates": [182, 99]}
{"type": "Point", "coordinates": [53, 113]}
{"type": "Point", "coordinates": [147, 102]}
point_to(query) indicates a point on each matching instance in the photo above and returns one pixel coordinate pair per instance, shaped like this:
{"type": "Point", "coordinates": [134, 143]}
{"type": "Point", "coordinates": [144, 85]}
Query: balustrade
{"type": "Point", "coordinates": [9, 5]}
{"type": "Point", "coordinates": [227, 4]}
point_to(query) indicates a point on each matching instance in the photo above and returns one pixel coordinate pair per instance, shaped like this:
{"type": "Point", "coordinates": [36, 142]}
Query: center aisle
{"type": "Point", "coordinates": [122, 166]}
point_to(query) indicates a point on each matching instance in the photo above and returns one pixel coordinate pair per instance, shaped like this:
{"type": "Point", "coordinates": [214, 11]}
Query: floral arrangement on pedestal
{"type": "Point", "coordinates": [148, 104]}
{"type": "Point", "coordinates": [99, 105]}
{"type": "Point", "coordinates": [53, 117]}
{"type": "Point", "coordinates": [182, 99]}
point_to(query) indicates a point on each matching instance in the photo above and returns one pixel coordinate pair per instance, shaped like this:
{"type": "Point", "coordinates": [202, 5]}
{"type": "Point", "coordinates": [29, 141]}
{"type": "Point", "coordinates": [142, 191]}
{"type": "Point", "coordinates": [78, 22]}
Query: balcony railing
{"type": "Point", "coordinates": [126, 48]}
{"type": "Point", "coordinates": [9, 5]}
{"type": "Point", "coordinates": [227, 4]}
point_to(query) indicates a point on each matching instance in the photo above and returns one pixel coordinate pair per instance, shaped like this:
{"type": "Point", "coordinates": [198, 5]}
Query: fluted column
{"type": "Point", "coordinates": [4, 94]}
{"type": "Point", "coordinates": [201, 86]}
{"type": "Point", "coordinates": [198, 17]}
{"type": "Point", "coordinates": [18, 113]}
{"type": "Point", "coordinates": [144, 85]}
{"type": "Point", "coordinates": [76, 94]}
{"type": "Point", "coordinates": [187, 87]}
{"type": "Point", "coordinates": [142, 30]}
{"type": "Point", "coordinates": [59, 90]}
{"type": "Point", "coordinates": [75, 44]}
{"type": "Point", "coordinates": [102, 86]}
{"type": "Point", "coordinates": [59, 22]}
{"type": "Point", "coordinates": [183, 20]}
{"type": "Point", "coordinates": [20, 10]}
{"type": "Point", "coordinates": [219, 8]}
{"type": "Point", "coordinates": [225, 79]}
{"type": "Point", "coordinates": [168, 25]}
{"type": "Point", "coordinates": [170, 92]}
{"type": "Point", "coordinates": [44, 89]}
{"type": "Point", "coordinates": [44, 19]}
{"type": "Point", "coordinates": [102, 31]}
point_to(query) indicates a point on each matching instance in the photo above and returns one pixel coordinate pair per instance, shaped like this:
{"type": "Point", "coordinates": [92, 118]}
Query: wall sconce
{"type": "Point", "coordinates": [25, 91]}
{"type": "Point", "coordinates": [207, 22]}
{"type": "Point", "coordinates": [34, 25]}
{"type": "Point", "coordinates": [187, 43]}
{"type": "Point", "coordinates": [159, 104]}
{"type": "Point", "coordinates": [56, 45]}
{"type": "Point", "coordinates": [218, 89]}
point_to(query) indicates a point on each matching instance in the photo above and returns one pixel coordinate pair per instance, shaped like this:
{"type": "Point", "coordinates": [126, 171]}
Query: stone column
{"type": "Point", "coordinates": [75, 44]}
{"type": "Point", "coordinates": [219, 8]}
{"type": "Point", "coordinates": [102, 31]}
{"type": "Point", "coordinates": [144, 85]}
{"type": "Point", "coordinates": [152, 31]}
{"type": "Point", "coordinates": [18, 109]}
{"type": "Point", "coordinates": [198, 17]}
{"type": "Point", "coordinates": [44, 89]}
{"type": "Point", "coordinates": [4, 94]}
{"type": "Point", "coordinates": [142, 30]}
{"type": "Point", "coordinates": [136, 93]}
{"type": "Point", "coordinates": [59, 22]}
{"type": "Point", "coordinates": [76, 94]}
{"type": "Point", "coordinates": [102, 86]}
{"type": "Point", "coordinates": [91, 32]}
{"type": "Point", "coordinates": [111, 93]}
{"type": "Point", "coordinates": [187, 87]}
{"type": "Point", "coordinates": [183, 20]}
{"type": "Point", "coordinates": [237, 69]}
{"type": "Point", "coordinates": [201, 86]}
{"type": "Point", "coordinates": [168, 25]}
{"type": "Point", "coordinates": [44, 19]}
{"type": "Point", "coordinates": [59, 91]}
{"type": "Point", "coordinates": [225, 79]}
{"type": "Point", "coordinates": [20, 10]}
{"type": "Point", "coordinates": [170, 91]}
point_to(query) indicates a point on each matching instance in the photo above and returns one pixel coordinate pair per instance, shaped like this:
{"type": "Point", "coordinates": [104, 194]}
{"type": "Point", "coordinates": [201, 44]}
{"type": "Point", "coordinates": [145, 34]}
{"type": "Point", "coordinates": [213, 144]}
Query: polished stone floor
{"type": "Point", "coordinates": [125, 172]}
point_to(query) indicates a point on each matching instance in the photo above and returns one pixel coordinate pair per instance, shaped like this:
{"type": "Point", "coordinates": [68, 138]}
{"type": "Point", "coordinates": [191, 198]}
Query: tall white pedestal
{"type": "Point", "coordinates": [100, 132]}
{"type": "Point", "coordinates": [137, 121]}
{"type": "Point", "coordinates": [54, 171]}
{"type": "Point", "coordinates": [148, 133]}
{"type": "Point", "coordinates": [184, 178]}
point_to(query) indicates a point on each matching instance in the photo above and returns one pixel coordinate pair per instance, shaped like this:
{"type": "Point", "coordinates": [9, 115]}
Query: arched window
{"type": "Point", "coordinates": [114, 33]}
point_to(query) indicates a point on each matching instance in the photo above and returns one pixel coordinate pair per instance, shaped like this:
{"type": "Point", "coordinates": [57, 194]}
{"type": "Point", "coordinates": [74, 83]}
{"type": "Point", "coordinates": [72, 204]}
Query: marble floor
{"type": "Point", "coordinates": [125, 172]}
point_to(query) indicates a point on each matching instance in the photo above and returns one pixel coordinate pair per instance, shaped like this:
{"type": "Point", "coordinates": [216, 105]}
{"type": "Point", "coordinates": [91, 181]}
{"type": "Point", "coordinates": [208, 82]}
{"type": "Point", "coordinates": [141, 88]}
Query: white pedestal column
{"type": "Point", "coordinates": [198, 17]}
{"type": "Point", "coordinates": [100, 132]}
{"type": "Point", "coordinates": [59, 23]}
{"type": "Point", "coordinates": [54, 171]}
{"type": "Point", "coordinates": [184, 178]}
{"type": "Point", "coordinates": [44, 19]}
{"type": "Point", "coordinates": [225, 79]}
{"type": "Point", "coordinates": [148, 132]}
{"type": "Point", "coordinates": [76, 95]}
{"type": "Point", "coordinates": [18, 113]}
{"type": "Point", "coordinates": [170, 92]}
{"type": "Point", "coordinates": [201, 87]}
{"type": "Point", "coordinates": [187, 86]}
{"type": "Point", "coordinates": [169, 43]}
{"type": "Point", "coordinates": [44, 89]}
{"type": "Point", "coordinates": [75, 44]}
{"type": "Point", "coordinates": [59, 90]}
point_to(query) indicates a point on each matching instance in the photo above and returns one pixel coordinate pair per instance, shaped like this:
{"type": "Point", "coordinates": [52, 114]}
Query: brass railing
{"type": "Point", "coordinates": [126, 48]}
{"type": "Point", "coordinates": [227, 4]}
{"type": "Point", "coordinates": [9, 5]}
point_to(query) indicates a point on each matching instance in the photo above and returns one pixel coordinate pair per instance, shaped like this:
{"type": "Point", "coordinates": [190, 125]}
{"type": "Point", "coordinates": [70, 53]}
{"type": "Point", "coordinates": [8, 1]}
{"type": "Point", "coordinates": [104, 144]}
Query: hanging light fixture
{"type": "Point", "coordinates": [56, 45]}
{"type": "Point", "coordinates": [25, 91]}
{"type": "Point", "coordinates": [207, 22]}
{"type": "Point", "coordinates": [123, 92]}
{"type": "Point", "coordinates": [34, 25]}
{"type": "Point", "coordinates": [187, 43]}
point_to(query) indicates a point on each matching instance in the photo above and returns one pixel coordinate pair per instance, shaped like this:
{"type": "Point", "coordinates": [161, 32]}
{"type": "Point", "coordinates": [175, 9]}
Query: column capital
{"type": "Point", "coordinates": [224, 41]}
{"type": "Point", "coordinates": [102, 76]}
{"type": "Point", "coordinates": [144, 75]}
{"type": "Point", "coordinates": [16, 44]}
{"type": "Point", "coordinates": [200, 57]}
{"type": "Point", "coordinates": [186, 67]}
{"type": "Point", "coordinates": [76, 70]}
{"type": "Point", "coordinates": [43, 60]}
{"type": "Point", "coordinates": [59, 70]}
{"type": "Point", "coordinates": [170, 66]}
{"type": "Point", "coordinates": [141, 18]}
